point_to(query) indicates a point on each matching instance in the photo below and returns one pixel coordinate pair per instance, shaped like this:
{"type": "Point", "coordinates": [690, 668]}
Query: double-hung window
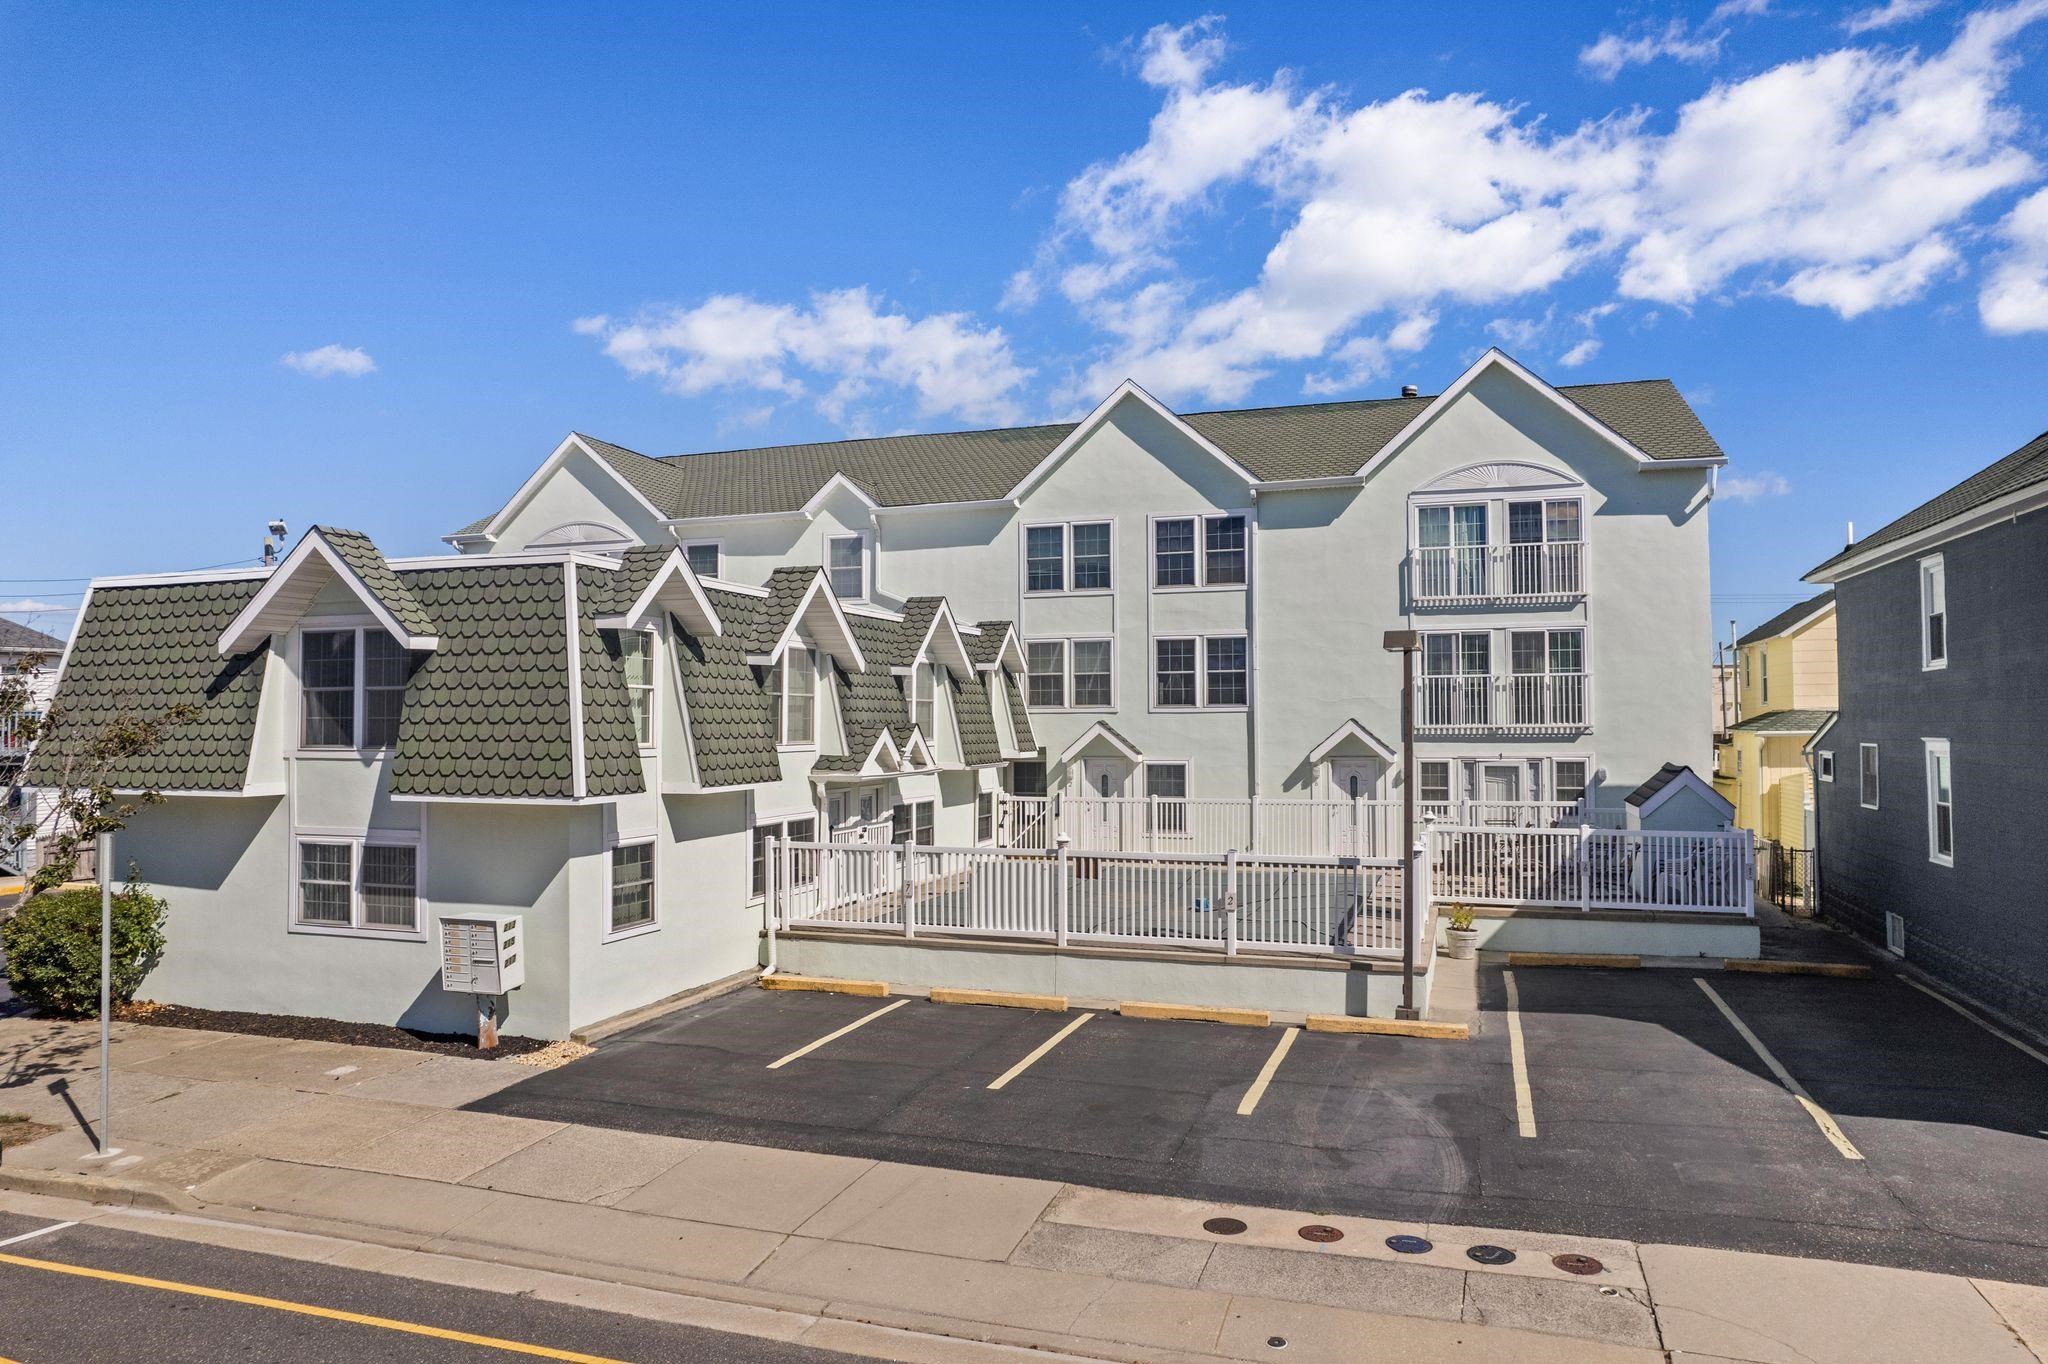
{"type": "Point", "coordinates": [1433, 782]}
{"type": "Point", "coordinates": [1547, 685]}
{"type": "Point", "coordinates": [1166, 786]}
{"type": "Point", "coordinates": [1094, 673]}
{"type": "Point", "coordinates": [1226, 678]}
{"type": "Point", "coordinates": [1174, 680]}
{"type": "Point", "coordinates": [1941, 816]}
{"type": "Point", "coordinates": [632, 886]}
{"type": "Point", "coordinates": [1200, 551]}
{"type": "Point", "coordinates": [1568, 779]}
{"type": "Point", "coordinates": [797, 685]}
{"type": "Point", "coordinates": [1200, 671]}
{"type": "Point", "coordinates": [1045, 558]}
{"type": "Point", "coordinates": [803, 867]}
{"type": "Point", "coordinates": [352, 683]}
{"type": "Point", "coordinates": [985, 817]}
{"type": "Point", "coordinates": [924, 682]}
{"type": "Point", "coordinates": [1068, 558]}
{"type": "Point", "coordinates": [636, 657]}
{"type": "Point", "coordinates": [1867, 765]}
{"type": "Point", "coordinates": [911, 822]}
{"type": "Point", "coordinates": [846, 566]}
{"type": "Point", "coordinates": [1091, 556]}
{"type": "Point", "coordinates": [1045, 673]}
{"type": "Point", "coordinates": [362, 884]}
{"type": "Point", "coordinates": [1070, 673]}
{"type": "Point", "coordinates": [1933, 612]}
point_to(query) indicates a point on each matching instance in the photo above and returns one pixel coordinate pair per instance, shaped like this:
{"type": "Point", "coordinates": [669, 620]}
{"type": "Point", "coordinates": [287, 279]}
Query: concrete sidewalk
{"type": "Point", "coordinates": [369, 1147]}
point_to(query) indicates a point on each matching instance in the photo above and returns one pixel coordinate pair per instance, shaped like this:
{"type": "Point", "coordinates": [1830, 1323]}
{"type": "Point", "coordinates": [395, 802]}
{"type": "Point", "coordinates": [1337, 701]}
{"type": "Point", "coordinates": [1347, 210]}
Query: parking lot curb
{"type": "Point", "coordinates": [1842, 970]}
{"type": "Point", "coordinates": [1002, 999]}
{"type": "Point", "coordinates": [101, 1189]}
{"type": "Point", "coordinates": [1391, 1027]}
{"type": "Point", "coordinates": [1197, 1013]}
{"type": "Point", "coordinates": [1617, 961]}
{"type": "Point", "coordinates": [873, 989]}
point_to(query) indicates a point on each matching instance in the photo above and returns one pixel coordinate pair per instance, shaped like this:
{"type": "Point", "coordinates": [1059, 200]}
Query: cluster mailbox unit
{"type": "Point", "coordinates": [480, 955]}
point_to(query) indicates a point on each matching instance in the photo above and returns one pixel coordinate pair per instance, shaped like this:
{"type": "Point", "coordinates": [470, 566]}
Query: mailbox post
{"type": "Point", "coordinates": [481, 956]}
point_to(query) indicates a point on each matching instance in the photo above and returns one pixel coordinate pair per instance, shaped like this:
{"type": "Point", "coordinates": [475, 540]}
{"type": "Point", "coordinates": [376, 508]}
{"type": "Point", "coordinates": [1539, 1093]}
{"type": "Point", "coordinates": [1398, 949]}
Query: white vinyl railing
{"type": "Point", "coordinates": [1587, 868]}
{"type": "Point", "coordinates": [1517, 703]}
{"type": "Point", "coordinates": [1497, 573]}
{"type": "Point", "coordinates": [1265, 903]}
{"type": "Point", "coordinates": [1294, 828]}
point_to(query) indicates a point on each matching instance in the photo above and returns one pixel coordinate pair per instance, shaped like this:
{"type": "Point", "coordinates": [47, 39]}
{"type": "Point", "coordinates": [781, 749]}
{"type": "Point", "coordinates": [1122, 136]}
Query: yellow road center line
{"type": "Point", "coordinates": [1518, 1056]}
{"type": "Point", "coordinates": [1252, 1096]}
{"type": "Point", "coordinates": [810, 1047]}
{"type": "Point", "coordinates": [411, 1328]}
{"type": "Point", "coordinates": [1820, 1116]}
{"type": "Point", "coordinates": [1043, 1047]}
{"type": "Point", "coordinates": [1987, 1026]}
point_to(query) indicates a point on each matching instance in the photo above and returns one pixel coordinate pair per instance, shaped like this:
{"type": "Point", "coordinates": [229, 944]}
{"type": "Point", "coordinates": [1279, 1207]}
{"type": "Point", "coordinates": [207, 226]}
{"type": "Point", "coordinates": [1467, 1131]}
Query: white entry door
{"type": "Point", "coordinates": [1351, 825]}
{"type": "Point", "coordinates": [1500, 788]}
{"type": "Point", "coordinates": [1102, 810]}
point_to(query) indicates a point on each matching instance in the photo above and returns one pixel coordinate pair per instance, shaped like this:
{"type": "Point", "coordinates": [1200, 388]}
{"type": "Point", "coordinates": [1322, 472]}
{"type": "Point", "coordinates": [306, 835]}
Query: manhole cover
{"type": "Point", "coordinates": [1577, 1264]}
{"type": "Point", "coordinates": [1224, 1226]}
{"type": "Point", "coordinates": [1491, 1255]}
{"type": "Point", "coordinates": [1409, 1245]}
{"type": "Point", "coordinates": [1316, 1231]}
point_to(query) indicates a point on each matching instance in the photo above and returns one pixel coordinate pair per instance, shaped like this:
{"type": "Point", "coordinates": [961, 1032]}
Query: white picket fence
{"type": "Point", "coordinates": [1291, 828]}
{"type": "Point", "coordinates": [1226, 903]}
{"type": "Point", "coordinates": [1587, 868]}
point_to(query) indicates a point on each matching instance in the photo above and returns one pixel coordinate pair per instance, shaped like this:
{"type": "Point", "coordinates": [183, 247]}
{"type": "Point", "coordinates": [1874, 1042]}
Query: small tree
{"type": "Point", "coordinates": [85, 759]}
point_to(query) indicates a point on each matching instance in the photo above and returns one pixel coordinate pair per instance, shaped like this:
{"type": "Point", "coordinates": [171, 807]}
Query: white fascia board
{"type": "Point", "coordinates": [473, 538]}
{"type": "Point", "coordinates": [1100, 730]}
{"type": "Point", "coordinates": [1010, 652]}
{"type": "Point", "coordinates": [833, 484]}
{"type": "Point", "coordinates": [926, 508]}
{"type": "Point", "coordinates": [689, 603]}
{"type": "Point", "coordinates": [1820, 733]}
{"type": "Point", "coordinates": [1687, 780]}
{"type": "Point", "coordinates": [562, 802]}
{"type": "Point", "coordinates": [251, 623]}
{"type": "Point", "coordinates": [872, 611]}
{"type": "Point", "coordinates": [952, 649]}
{"type": "Point", "coordinates": [248, 791]}
{"type": "Point", "coordinates": [570, 445]}
{"type": "Point", "coordinates": [1494, 358]}
{"type": "Point", "coordinates": [2008, 508]}
{"type": "Point", "coordinates": [1352, 729]}
{"type": "Point", "coordinates": [884, 747]}
{"type": "Point", "coordinates": [554, 555]}
{"type": "Point", "coordinates": [680, 523]}
{"type": "Point", "coordinates": [1292, 485]}
{"type": "Point", "coordinates": [1088, 424]}
{"type": "Point", "coordinates": [847, 649]}
{"type": "Point", "coordinates": [917, 750]}
{"type": "Point", "coordinates": [224, 575]}
{"type": "Point", "coordinates": [1796, 626]}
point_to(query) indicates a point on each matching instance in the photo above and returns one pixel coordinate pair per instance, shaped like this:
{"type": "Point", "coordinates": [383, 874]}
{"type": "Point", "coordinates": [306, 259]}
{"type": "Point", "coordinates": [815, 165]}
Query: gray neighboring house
{"type": "Point", "coordinates": [1930, 788]}
{"type": "Point", "coordinates": [19, 643]}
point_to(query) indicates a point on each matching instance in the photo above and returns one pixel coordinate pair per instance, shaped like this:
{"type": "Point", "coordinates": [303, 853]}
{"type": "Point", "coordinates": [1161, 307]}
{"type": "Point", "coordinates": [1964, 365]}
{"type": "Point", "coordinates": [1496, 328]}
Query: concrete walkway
{"type": "Point", "coordinates": [370, 1149]}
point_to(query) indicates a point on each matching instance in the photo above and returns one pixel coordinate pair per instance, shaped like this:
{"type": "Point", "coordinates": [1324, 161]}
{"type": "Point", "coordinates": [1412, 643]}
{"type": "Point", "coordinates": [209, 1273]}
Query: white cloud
{"type": "Point", "coordinates": [1847, 181]}
{"type": "Point", "coordinates": [31, 606]}
{"type": "Point", "coordinates": [2015, 295]}
{"type": "Point", "coordinates": [1607, 57]}
{"type": "Point", "coordinates": [1753, 488]}
{"type": "Point", "coordinates": [842, 349]}
{"type": "Point", "coordinates": [350, 362]}
{"type": "Point", "coordinates": [1363, 359]}
{"type": "Point", "coordinates": [1888, 15]}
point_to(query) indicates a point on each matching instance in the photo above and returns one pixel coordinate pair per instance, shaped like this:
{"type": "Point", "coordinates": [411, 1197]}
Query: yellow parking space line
{"type": "Point", "coordinates": [1252, 1096]}
{"type": "Point", "coordinates": [1518, 1057]}
{"type": "Point", "coordinates": [304, 1309]}
{"type": "Point", "coordinates": [1820, 1116]}
{"type": "Point", "coordinates": [809, 1047]}
{"type": "Point", "coordinates": [1040, 1050]}
{"type": "Point", "coordinates": [1987, 1026]}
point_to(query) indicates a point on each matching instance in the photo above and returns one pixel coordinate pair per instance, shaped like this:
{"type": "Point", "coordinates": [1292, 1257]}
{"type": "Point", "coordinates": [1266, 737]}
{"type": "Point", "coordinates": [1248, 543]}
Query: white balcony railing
{"type": "Point", "coordinates": [1498, 573]}
{"type": "Point", "coordinates": [1521, 703]}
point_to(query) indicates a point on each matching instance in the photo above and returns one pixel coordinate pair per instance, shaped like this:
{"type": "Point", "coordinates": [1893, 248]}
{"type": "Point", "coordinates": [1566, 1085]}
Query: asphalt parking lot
{"type": "Point", "coordinates": [1642, 1108]}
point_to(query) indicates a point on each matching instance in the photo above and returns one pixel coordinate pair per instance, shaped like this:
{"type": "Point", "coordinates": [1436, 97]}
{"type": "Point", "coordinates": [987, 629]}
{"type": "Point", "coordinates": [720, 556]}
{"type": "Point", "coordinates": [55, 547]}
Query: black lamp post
{"type": "Point", "coordinates": [1405, 643]}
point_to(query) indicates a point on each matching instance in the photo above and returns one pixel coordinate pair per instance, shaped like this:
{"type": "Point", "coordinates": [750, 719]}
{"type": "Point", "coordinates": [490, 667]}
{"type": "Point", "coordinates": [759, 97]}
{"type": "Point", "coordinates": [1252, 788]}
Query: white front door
{"type": "Point", "coordinates": [1500, 787]}
{"type": "Point", "coordinates": [1102, 810]}
{"type": "Point", "coordinates": [1351, 825]}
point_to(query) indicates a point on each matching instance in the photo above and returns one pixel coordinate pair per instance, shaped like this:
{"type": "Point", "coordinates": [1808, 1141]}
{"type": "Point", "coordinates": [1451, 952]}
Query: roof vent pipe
{"type": "Point", "coordinates": [1410, 391]}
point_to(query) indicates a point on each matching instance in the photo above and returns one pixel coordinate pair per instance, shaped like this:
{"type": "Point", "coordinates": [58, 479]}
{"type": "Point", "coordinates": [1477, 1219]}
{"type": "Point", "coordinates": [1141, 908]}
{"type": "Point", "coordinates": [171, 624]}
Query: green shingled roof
{"type": "Point", "coordinates": [637, 567]}
{"type": "Point", "coordinates": [2023, 468]}
{"type": "Point", "coordinates": [732, 715]}
{"type": "Point", "coordinates": [987, 646]}
{"type": "Point", "coordinates": [980, 745]}
{"type": "Point", "coordinates": [487, 714]}
{"type": "Point", "coordinates": [1303, 440]}
{"type": "Point", "coordinates": [367, 563]}
{"type": "Point", "coordinates": [872, 701]}
{"type": "Point", "coordinates": [611, 750]}
{"type": "Point", "coordinates": [139, 651]}
{"type": "Point", "coordinates": [1020, 717]}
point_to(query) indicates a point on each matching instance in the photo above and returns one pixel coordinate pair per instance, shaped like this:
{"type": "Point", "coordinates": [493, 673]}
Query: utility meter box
{"type": "Point", "coordinates": [481, 954]}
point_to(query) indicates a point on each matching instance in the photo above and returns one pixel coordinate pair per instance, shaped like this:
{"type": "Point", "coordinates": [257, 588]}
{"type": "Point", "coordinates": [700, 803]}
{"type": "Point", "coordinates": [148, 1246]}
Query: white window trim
{"type": "Point", "coordinates": [994, 817]}
{"type": "Point", "coordinates": [1824, 766]}
{"type": "Point", "coordinates": [1066, 530]}
{"type": "Point", "coordinates": [322, 625]}
{"type": "Point", "coordinates": [782, 700]}
{"type": "Point", "coordinates": [1067, 643]}
{"type": "Point", "coordinates": [1867, 765]}
{"type": "Point", "coordinates": [1201, 582]}
{"type": "Point", "coordinates": [780, 826]}
{"type": "Point", "coordinates": [653, 635]}
{"type": "Point", "coordinates": [653, 888]}
{"type": "Point", "coordinates": [1934, 748]}
{"type": "Point", "coordinates": [1202, 701]}
{"type": "Point", "coordinates": [1936, 567]}
{"type": "Point", "coordinates": [1500, 661]}
{"type": "Point", "coordinates": [718, 545]}
{"type": "Point", "coordinates": [867, 565]}
{"type": "Point", "coordinates": [357, 840]}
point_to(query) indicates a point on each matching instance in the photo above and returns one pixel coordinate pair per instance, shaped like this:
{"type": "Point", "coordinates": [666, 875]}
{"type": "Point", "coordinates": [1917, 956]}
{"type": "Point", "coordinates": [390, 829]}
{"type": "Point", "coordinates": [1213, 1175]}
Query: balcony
{"type": "Point", "coordinates": [1520, 703]}
{"type": "Point", "coordinates": [1458, 575]}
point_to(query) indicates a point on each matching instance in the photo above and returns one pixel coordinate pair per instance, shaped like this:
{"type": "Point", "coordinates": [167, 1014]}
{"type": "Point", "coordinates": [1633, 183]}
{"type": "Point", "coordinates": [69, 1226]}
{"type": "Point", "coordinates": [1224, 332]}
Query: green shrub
{"type": "Point", "coordinates": [53, 948]}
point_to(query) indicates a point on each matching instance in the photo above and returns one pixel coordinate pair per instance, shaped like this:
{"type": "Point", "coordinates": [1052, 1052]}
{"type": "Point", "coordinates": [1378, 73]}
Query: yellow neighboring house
{"type": "Point", "coordinates": [1785, 691]}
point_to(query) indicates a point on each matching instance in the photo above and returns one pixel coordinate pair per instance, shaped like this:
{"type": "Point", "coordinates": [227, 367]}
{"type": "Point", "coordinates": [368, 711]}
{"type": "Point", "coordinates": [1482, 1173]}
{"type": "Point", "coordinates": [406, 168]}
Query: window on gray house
{"type": "Point", "coordinates": [1433, 783]}
{"type": "Point", "coordinates": [1045, 558]}
{"type": "Point", "coordinates": [1091, 556]}
{"type": "Point", "coordinates": [846, 567]}
{"type": "Point", "coordinates": [1045, 665]}
{"type": "Point", "coordinates": [1227, 679]}
{"type": "Point", "coordinates": [1224, 554]}
{"type": "Point", "coordinates": [632, 886]}
{"type": "Point", "coordinates": [1174, 677]}
{"type": "Point", "coordinates": [1093, 681]}
{"type": "Point", "coordinates": [1867, 761]}
{"type": "Point", "coordinates": [703, 560]}
{"type": "Point", "coordinates": [1173, 553]}
{"type": "Point", "coordinates": [327, 677]}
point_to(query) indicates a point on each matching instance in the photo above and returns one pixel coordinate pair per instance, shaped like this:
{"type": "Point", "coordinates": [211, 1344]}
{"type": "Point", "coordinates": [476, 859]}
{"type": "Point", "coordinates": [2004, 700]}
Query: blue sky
{"type": "Point", "coordinates": [367, 264]}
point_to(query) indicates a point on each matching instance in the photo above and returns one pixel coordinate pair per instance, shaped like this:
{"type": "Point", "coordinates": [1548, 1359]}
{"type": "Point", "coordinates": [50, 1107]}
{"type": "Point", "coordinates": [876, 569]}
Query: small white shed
{"type": "Point", "coordinates": [1677, 799]}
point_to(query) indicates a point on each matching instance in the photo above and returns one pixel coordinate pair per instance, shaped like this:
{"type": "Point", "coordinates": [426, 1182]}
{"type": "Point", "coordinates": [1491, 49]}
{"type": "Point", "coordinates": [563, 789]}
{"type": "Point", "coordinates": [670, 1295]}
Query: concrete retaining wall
{"type": "Point", "coordinates": [1641, 936]}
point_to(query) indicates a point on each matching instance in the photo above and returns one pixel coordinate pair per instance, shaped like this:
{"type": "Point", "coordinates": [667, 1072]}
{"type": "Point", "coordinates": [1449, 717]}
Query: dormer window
{"type": "Point", "coordinates": [352, 683]}
{"type": "Point", "coordinates": [797, 684]}
{"type": "Point", "coordinates": [924, 683]}
{"type": "Point", "coordinates": [636, 656]}
{"type": "Point", "coordinates": [846, 564]}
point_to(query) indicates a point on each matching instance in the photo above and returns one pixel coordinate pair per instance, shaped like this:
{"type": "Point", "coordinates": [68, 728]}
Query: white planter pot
{"type": "Point", "coordinates": [1464, 943]}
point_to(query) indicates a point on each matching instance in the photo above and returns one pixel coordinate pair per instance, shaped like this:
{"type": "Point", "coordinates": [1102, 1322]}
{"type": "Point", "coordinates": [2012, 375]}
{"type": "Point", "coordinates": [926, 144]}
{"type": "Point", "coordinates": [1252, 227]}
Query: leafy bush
{"type": "Point", "coordinates": [53, 948]}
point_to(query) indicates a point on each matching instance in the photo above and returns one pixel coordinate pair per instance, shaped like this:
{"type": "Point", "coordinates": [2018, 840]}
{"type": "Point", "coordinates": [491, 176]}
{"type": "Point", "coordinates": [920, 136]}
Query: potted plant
{"type": "Point", "coordinates": [1462, 936]}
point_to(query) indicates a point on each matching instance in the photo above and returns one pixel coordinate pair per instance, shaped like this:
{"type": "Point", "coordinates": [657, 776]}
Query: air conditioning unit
{"type": "Point", "coordinates": [1894, 934]}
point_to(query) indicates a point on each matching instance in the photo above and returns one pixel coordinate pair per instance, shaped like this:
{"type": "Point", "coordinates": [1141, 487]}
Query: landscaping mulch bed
{"type": "Point", "coordinates": [323, 1030]}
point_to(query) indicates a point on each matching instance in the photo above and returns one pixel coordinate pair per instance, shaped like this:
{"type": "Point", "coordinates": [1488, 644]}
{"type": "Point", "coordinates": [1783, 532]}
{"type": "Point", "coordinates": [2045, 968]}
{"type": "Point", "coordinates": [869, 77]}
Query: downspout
{"type": "Point", "coordinates": [1251, 628]}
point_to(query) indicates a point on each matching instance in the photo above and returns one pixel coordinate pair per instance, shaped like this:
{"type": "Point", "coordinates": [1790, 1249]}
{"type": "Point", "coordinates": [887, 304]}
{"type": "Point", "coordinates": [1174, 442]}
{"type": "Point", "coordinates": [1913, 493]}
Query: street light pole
{"type": "Point", "coordinates": [105, 857]}
{"type": "Point", "coordinates": [1405, 643]}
